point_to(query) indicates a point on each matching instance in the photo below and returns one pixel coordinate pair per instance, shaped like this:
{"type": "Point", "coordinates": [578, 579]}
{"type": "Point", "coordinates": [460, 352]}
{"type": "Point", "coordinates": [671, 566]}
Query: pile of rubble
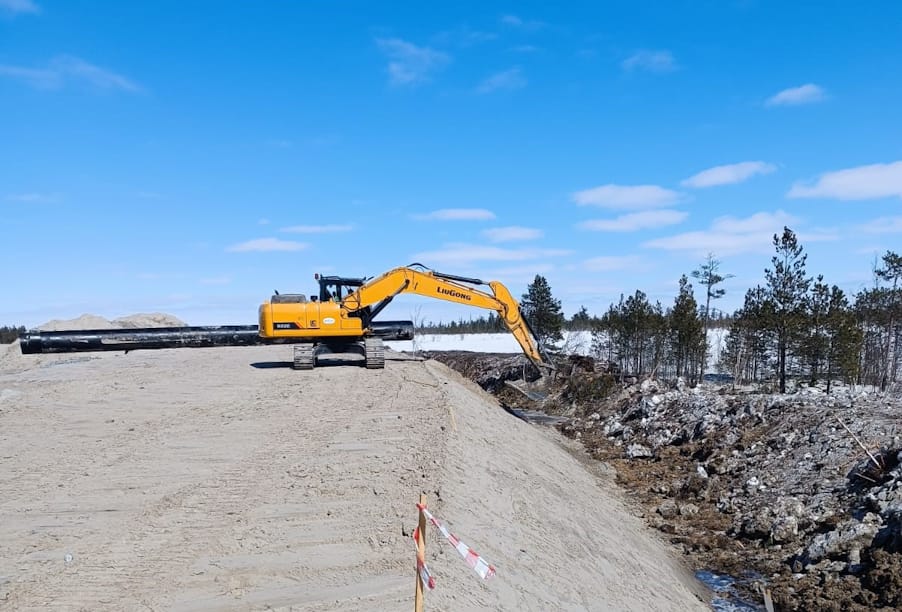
{"type": "Point", "coordinates": [804, 488]}
{"type": "Point", "coordinates": [799, 492]}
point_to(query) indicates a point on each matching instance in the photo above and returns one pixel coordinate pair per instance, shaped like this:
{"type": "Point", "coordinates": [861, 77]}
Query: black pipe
{"type": "Point", "coordinates": [393, 330]}
{"type": "Point", "coordinates": [93, 340]}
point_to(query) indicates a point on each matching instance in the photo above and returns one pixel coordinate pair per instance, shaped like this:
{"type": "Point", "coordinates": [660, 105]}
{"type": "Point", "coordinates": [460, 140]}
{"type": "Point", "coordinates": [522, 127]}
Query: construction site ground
{"type": "Point", "coordinates": [221, 479]}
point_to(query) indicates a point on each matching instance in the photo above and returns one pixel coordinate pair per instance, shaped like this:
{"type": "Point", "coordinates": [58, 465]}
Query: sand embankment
{"type": "Point", "coordinates": [221, 479]}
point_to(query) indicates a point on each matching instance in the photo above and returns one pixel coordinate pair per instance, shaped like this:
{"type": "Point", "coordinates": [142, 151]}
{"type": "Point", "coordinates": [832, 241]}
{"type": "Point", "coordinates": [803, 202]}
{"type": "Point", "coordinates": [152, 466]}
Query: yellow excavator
{"type": "Point", "coordinates": [341, 318]}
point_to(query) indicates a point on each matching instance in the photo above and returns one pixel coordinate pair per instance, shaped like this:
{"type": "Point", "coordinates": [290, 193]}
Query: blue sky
{"type": "Point", "coordinates": [192, 157]}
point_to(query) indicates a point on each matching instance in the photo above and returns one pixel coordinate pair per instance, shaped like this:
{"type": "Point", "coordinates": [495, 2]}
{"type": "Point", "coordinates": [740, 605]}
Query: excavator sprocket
{"type": "Point", "coordinates": [375, 353]}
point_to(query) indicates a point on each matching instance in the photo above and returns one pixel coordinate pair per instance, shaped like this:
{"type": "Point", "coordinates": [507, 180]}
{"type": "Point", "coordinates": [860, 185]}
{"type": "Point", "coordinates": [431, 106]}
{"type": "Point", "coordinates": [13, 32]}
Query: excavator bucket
{"type": "Point", "coordinates": [533, 391]}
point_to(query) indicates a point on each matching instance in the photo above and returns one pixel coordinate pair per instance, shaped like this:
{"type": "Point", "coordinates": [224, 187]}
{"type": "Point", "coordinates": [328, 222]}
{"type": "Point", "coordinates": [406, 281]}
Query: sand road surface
{"type": "Point", "coordinates": [220, 479]}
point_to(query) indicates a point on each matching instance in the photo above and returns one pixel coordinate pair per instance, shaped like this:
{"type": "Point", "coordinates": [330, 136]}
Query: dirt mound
{"type": "Point", "coordinates": [151, 319]}
{"type": "Point", "coordinates": [85, 321]}
{"type": "Point", "coordinates": [91, 321]}
{"type": "Point", "coordinates": [8, 352]}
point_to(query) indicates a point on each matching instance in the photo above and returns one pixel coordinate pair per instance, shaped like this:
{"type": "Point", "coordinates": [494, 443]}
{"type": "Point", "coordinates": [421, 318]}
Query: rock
{"type": "Point", "coordinates": [668, 509]}
{"type": "Point", "coordinates": [649, 385]}
{"type": "Point", "coordinates": [784, 529]}
{"type": "Point", "coordinates": [756, 526]}
{"type": "Point", "coordinates": [637, 451]}
{"type": "Point", "coordinates": [688, 510]}
{"type": "Point", "coordinates": [848, 535]}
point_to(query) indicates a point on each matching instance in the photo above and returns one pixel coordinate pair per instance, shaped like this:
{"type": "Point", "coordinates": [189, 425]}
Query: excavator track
{"type": "Point", "coordinates": [375, 353]}
{"type": "Point", "coordinates": [303, 357]}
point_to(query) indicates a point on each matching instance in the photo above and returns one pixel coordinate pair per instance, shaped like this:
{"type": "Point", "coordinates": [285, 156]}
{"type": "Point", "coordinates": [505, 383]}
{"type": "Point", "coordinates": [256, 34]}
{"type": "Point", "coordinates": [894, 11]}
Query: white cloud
{"type": "Point", "coordinates": [882, 225]}
{"type": "Point", "coordinates": [859, 183]}
{"type": "Point", "coordinates": [514, 21]}
{"type": "Point", "coordinates": [36, 77]}
{"type": "Point", "coordinates": [511, 233]}
{"type": "Point", "coordinates": [66, 69]}
{"type": "Point", "coordinates": [728, 174]}
{"type": "Point", "coordinates": [458, 253]}
{"type": "Point", "coordinates": [508, 79]}
{"type": "Point", "coordinates": [612, 263]}
{"type": "Point", "coordinates": [409, 64]}
{"type": "Point", "coordinates": [731, 235]}
{"type": "Point", "coordinates": [457, 214]}
{"type": "Point", "coordinates": [652, 61]}
{"type": "Point", "coordinates": [635, 221]}
{"type": "Point", "coordinates": [628, 197]}
{"type": "Point", "coordinates": [796, 96]}
{"type": "Point", "coordinates": [267, 244]}
{"type": "Point", "coordinates": [19, 6]}
{"type": "Point", "coordinates": [317, 229]}
{"type": "Point", "coordinates": [34, 198]}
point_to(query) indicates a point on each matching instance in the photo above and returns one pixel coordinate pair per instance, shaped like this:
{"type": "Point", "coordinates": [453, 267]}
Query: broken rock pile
{"type": "Point", "coordinates": [804, 489]}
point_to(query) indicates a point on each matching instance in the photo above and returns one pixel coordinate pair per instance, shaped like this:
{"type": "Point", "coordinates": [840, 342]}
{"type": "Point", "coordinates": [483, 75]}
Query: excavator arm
{"type": "Point", "coordinates": [370, 298]}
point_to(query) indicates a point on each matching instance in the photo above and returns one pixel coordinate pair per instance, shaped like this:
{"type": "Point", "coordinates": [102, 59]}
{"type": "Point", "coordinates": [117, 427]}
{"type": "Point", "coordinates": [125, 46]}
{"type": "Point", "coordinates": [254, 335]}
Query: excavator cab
{"type": "Point", "coordinates": [337, 288]}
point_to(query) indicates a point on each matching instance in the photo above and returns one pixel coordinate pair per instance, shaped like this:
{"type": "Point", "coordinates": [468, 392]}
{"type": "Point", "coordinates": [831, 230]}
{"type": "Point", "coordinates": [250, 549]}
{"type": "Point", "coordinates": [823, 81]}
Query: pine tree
{"type": "Point", "coordinates": [581, 321]}
{"type": "Point", "coordinates": [787, 286]}
{"type": "Point", "coordinates": [607, 334]}
{"type": "Point", "coordinates": [709, 276]}
{"type": "Point", "coordinates": [844, 338]}
{"type": "Point", "coordinates": [687, 335]}
{"type": "Point", "coordinates": [891, 272]}
{"type": "Point", "coordinates": [749, 340]}
{"type": "Point", "coordinates": [543, 312]}
{"type": "Point", "coordinates": [815, 341]}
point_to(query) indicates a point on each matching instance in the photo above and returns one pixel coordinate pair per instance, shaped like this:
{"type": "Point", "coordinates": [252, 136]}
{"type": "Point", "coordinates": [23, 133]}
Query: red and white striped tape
{"type": "Point", "coordinates": [470, 556]}
{"type": "Point", "coordinates": [422, 568]}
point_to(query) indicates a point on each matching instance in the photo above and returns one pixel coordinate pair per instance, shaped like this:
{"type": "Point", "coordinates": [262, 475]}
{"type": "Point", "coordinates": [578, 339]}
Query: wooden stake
{"type": "Point", "coordinates": [863, 447]}
{"type": "Point", "coordinates": [421, 555]}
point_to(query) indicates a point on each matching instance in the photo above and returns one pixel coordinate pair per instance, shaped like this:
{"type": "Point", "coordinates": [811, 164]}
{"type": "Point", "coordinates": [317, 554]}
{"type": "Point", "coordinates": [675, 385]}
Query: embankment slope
{"type": "Point", "coordinates": [221, 479]}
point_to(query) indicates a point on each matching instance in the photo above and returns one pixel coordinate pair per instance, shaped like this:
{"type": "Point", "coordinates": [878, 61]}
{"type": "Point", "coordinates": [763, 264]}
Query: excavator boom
{"type": "Point", "coordinates": [375, 294]}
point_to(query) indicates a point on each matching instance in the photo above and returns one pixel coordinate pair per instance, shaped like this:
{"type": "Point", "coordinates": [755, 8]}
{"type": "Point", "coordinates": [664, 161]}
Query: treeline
{"type": "Point", "coordinates": [9, 334]}
{"type": "Point", "coordinates": [802, 327]}
{"type": "Point", "coordinates": [795, 326]}
{"type": "Point", "coordinates": [580, 321]}
{"type": "Point", "coordinates": [491, 323]}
